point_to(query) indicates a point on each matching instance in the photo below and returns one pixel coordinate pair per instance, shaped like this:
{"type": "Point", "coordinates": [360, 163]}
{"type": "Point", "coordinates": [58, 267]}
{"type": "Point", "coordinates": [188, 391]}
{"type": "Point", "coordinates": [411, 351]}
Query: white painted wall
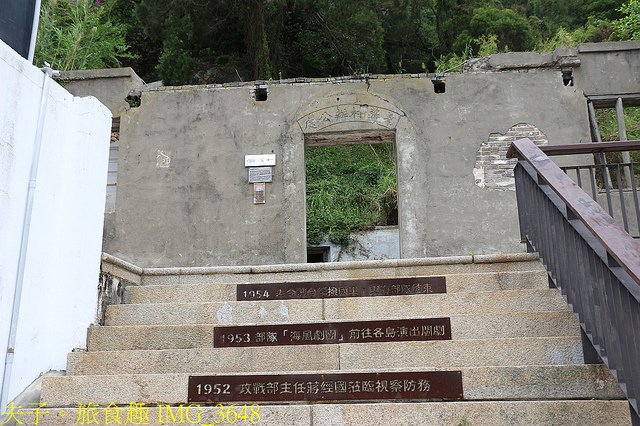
{"type": "Point", "coordinates": [63, 258]}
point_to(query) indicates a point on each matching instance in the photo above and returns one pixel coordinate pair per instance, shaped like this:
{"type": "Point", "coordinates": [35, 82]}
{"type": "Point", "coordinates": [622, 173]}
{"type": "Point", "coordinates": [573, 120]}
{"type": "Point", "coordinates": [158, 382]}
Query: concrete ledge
{"type": "Point", "coordinates": [344, 274]}
{"type": "Point", "coordinates": [612, 46]}
{"type": "Point", "coordinates": [304, 267]}
{"type": "Point", "coordinates": [371, 264]}
{"type": "Point", "coordinates": [100, 73]}
{"type": "Point", "coordinates": [120, 269]}
{"type": "Point", "coordinates": [503, 258]}
{"type": "Point", "coordinates": [112, 260]}
{"type": "Point", "coordinates": [562, 57]}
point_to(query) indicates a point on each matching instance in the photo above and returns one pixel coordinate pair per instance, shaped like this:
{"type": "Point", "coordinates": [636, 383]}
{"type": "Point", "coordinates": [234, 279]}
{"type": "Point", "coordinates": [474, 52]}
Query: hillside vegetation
{"type": "Point", "coordinates": [207, 41]}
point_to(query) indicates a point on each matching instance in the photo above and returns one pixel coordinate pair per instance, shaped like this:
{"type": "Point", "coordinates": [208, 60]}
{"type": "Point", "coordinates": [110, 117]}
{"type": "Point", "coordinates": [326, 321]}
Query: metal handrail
{"type": "Point", "coordinates": [583, 148]}
{"type": "Point", "coordinates": [588, 256]}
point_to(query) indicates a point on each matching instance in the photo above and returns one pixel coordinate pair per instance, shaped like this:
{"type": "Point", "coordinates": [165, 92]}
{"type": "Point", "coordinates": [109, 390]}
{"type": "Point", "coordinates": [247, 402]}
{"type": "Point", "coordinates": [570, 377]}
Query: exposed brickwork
{"type": "Point", "coordinates": [493, 170]}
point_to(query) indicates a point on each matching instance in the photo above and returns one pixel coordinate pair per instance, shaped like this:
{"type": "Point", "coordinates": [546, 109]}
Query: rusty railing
{"type": "Point", "coordinates": [587, 254]}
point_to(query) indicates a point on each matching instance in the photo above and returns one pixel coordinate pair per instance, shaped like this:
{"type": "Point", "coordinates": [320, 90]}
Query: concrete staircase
{"type": "Point", "coordinates": [513, 340]}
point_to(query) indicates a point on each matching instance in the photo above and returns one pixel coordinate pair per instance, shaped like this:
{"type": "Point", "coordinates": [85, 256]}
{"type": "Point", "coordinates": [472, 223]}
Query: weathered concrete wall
{"type": "Point", "coordinates": [609, 68]}
{"type": "Point", "coordinates": [110, 86]}
{"type": "Point", "coordinates": [199, 210]}
{"type": "Point", "coordinates": [63, 258]}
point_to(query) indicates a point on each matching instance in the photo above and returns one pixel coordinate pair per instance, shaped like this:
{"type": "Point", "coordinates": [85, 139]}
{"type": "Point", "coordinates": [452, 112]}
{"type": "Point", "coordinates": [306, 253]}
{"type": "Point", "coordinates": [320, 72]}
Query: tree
{"type": "Point", "coordinates": [193, 36]}
{"type": "Point", "coordinates": [629, 25]}
{"type": "Point", "coordinates": [338, 38]}
{"type": "Point", "coordinates": [513, 31]}
{"type": "Point", "coordinates": [79, 34]}
{"type": "Point", "coordinates": [410, 34]}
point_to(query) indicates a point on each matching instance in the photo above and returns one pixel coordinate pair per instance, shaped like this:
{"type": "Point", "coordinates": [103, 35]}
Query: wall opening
{"type": "Point", "coordinates": [318, 254]}
{"type": "Point", "coordinates": [351, 185]}
{"type": "Point", "coordinates": [260, 93]}
{"type": "Point", "coordinates": [567, 77]}
{"type": "Point", "coordinates": [439, 85]}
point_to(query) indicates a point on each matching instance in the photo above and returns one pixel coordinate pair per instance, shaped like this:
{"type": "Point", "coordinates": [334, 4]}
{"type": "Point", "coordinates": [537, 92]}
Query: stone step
{"type": "Point", "coordinates": [489, 326]}
{"type": "Point", "coordinates": [185, 293]}
{"type": "Point", "coordinates": [310, 310]}
{"type": "Point", "coordinates": [495, 413]}
{"type": "Point", "coordinates": [479, 383]}
{"type": "Point", "coordinates": [343, 270]}
{"type": "Point", "coordinates": [439, 353]}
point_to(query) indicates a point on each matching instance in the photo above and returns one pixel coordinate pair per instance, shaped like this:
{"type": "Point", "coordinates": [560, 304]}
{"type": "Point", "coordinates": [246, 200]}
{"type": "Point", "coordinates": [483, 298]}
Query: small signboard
{"type": "Point", "coordinates": [259, 160]}
{"type": "Point", "coordinates": [403, 330]}
{"type": "Point", "coordinates": [413, 385]}
{"type": "Point", "coordinates": [342, 288]}
{"type": "Point", "coordinates": [259, 193]}
{"type": "Point", "coordinates": [260, 174]}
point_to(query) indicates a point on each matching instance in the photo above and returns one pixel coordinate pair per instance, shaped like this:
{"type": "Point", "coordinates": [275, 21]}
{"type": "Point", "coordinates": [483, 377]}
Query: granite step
{"type": "Point", "coordinates": [185, 293]}
{"type": "Point", "coordinates": [438, 353]}
{"type": "Point", "coordinates": [188, 336]}
{"type": "Point", "coordinates": [354, 308]}
{"type": "Point", "coordinates": [502, 413]}
{"type": "Point", "coordinates": [547, 382]}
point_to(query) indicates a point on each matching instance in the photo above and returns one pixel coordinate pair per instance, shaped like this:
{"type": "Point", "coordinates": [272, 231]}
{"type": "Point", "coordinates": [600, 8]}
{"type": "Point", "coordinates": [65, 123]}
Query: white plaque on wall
{"type": "Point", "coordinates": [259, 160]}
{"type": "Point", "coordinates": [260, 174]}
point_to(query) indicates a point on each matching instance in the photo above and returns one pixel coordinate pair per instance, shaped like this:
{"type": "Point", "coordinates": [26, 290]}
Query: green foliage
{"type": "Point", "coordinates": [453, 62]}
{"type": "Point", "coordinates": [554, 14]}
{"type": "Point", "coordinates": [484, 45]}
{"type": "Point", "coordinates": [337, 38]}
{"type": "Point", "coordinates": [512, 30]}
{"type": "Point", "coordinates": [349, 188]}
{"type": "Point", "coordinates": [206, 41]}
{"type": "Point", "coordinates": [410, 34]}
{"type": "Point", "coordinates": [628, 26]}
{"type": "Point", "coordinates": [79, 34]}
{"type": "Point", "coordinates": [608, 123]}
{"type": "Point", "coordinates": [180, 38]}
{"type": "Point", "coordinates": [595, 30]}
{"type": "Point", "coordinates": [175, 64]}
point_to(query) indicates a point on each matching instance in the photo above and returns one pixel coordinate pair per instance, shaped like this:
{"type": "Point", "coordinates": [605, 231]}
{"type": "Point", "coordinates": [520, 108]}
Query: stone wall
{"type": "Point", "coordinates": [196, 207]}
{"type": "Point", "coordinates": [493, 169]}
{"type": "Point", "coordinates": [609, 68]}
{"type": "Point", "coordinates": [199, 209]}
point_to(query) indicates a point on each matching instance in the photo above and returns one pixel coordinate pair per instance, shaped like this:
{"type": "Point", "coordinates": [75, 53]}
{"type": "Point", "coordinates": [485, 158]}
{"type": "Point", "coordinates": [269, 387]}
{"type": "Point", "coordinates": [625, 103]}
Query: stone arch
{"type": "Point", "coordinates": [493, 170]}
{"type": "Point", "coordinates": [350, 110]}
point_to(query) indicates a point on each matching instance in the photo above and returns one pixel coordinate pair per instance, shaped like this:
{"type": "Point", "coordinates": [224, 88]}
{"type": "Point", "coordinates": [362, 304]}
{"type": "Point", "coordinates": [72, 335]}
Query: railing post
{"type": "Point", "coordinates": [590, 354]}
{"type": "Point", "coordinates": [635, 417]}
